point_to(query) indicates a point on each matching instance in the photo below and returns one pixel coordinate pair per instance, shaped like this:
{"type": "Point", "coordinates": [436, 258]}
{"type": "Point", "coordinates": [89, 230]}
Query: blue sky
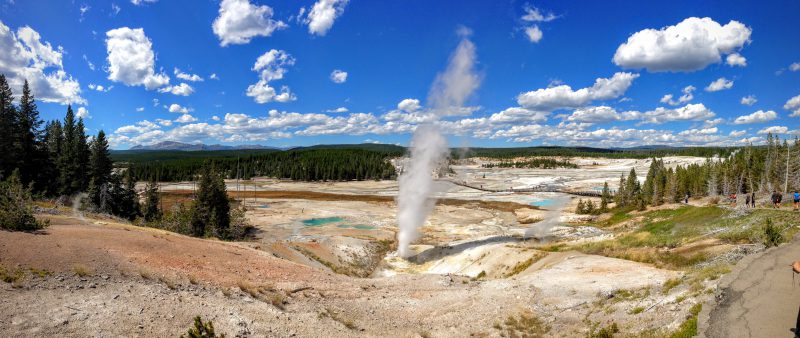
{"type": "Point", "coordinates": [538, 64]}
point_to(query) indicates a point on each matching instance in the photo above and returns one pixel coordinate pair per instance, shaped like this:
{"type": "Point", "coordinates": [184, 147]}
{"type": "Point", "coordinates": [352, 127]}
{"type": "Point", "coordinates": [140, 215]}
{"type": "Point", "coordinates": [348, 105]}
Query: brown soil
{"type": "Point", "coordinates": [181, 196]}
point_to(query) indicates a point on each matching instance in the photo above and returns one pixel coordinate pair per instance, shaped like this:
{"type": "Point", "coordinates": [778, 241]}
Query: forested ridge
{"type": "Point", "coordinates": [326, 164]}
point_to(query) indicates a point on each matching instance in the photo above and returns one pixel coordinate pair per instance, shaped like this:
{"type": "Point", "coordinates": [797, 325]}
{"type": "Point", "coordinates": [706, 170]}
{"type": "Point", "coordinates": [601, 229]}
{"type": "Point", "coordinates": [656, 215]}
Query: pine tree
{"type": "Point", "coordinates": [580, 209]}
{"type": "Point", "coordinates": [605, 197]}
{"type": "Point", "coordinates": [82, 155]}
{"type": "Point", "coordinates": [53, 143]}
{"type": "Point", "coordinates": [211, 214]}
{"type": "Point", "coordinates": [151, 210]}
{"type": "Point", "coordinates": [67, 158]}
{"type": "Point", "coordinates": [100, 162]}
{"type": "Point", "coordinates": [9, 153]}
{"type": "Point", "coordinates": [29, 138]}
{"type": "Point", "coordinates": [621, 193]}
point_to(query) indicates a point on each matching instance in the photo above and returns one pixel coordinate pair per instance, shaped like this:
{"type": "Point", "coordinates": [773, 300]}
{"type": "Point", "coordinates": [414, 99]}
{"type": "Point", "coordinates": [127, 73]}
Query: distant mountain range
{"type": "Point", "coordinates": [179, 146]}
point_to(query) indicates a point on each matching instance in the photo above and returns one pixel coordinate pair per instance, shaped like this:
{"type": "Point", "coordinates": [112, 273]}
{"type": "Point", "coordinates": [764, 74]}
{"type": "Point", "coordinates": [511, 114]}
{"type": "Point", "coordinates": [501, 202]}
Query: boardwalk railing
{"type": "Point", "coordinates": [588, 193]}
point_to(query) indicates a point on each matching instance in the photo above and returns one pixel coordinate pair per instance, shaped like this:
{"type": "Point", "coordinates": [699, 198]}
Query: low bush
{"type": "Point", "coordinates": [202, 330]}
{"type": "Point", "coordinates": [16, 211]}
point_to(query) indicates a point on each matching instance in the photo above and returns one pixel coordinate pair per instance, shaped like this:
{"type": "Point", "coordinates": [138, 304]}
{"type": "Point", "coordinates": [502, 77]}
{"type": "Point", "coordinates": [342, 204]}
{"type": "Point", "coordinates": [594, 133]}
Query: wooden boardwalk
{"type": "Point", "coordinates": [587, 193]}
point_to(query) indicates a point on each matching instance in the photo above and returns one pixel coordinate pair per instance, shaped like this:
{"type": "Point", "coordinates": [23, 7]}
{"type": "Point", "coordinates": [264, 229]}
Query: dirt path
{"type": "Point", "coordinates": [758, 299]}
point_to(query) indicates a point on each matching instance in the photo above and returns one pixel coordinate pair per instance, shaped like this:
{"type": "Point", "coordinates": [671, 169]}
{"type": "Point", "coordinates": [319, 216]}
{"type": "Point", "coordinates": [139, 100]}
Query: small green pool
{"type": "Point", "coordinates": [315, 222]}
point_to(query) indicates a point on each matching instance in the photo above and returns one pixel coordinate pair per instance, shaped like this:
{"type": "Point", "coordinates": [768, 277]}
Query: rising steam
{"type": "Point", "coordinates": [551, 218]}
{"type": "Point", "coordinates": [428, 147]}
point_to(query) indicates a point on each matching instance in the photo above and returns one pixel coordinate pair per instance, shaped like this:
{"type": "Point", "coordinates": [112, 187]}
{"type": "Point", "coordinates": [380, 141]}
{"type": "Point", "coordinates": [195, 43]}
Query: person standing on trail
{"type": "Point", "coordinates": [796, 200]}
{"type": "Point", "coordinates": [747, 200]}
{"type": "Point", "coordinates": [753, 199]}
{"type": "Point", "coordinates": [776, 199]}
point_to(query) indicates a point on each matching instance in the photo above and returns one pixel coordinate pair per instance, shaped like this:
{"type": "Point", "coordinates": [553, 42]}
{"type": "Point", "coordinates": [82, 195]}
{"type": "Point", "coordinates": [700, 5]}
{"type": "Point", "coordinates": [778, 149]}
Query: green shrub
{"type": "Point", "coordinates": [604, 332]}
{"type": "Point", "coordinates": [772, 234]}
{"type": "Point", "coordinates": [16, 212]}
{"type": "Point", "coordinates": [202, 330]}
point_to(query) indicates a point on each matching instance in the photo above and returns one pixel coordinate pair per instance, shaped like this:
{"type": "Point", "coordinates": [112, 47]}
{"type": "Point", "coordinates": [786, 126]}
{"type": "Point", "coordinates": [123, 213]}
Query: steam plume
{"type": "Point", "coordinates": [551, 218]}
{"type": "Point", "coordinates": [428, 147]}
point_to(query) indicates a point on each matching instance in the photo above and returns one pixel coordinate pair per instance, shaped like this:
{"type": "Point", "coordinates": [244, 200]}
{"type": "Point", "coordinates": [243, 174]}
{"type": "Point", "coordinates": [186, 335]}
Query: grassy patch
{"type": "Point", "coordinates": [661, 231]}
{"type": "Point", "coordinates": [524, 265]}
{"type": "Point", "coordinates": [670, 284]}
{"type": "Point", "coordinates": [637, 310]}
{"type": "Point", "coordinates": [689, 327]}
{"type": "Point", "coordinates": [81, 270]}
{"type": "Point", "coordinates": [265, 293]}
{"type": "Point", "coordinates": [526, 324]}
{"type": "Point", "coordinates": [12, 277]}
{"type": "Point", "coordinates": [603, 332]}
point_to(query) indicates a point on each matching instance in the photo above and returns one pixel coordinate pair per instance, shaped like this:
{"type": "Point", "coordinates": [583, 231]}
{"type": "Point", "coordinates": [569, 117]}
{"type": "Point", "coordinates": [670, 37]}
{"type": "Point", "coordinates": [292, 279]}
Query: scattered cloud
{"type": "Point", "coordinates": [338, 76]}
{"type": "Point", "coordinates": [533, 14]}
{"type": "Point", "coordinates": [794, 66]}
{"type": "Point", "coordinates": [337, 110]}
{"type": "Point", "coordinates": [131, 59]}
{"type": "Point", "coordinates": [25, 56]}
{"type": "Point", "coordinates": [533, 33]}
{"type": "Point", "coordinates": [100, 88]}
{"type": "Point", "coordinates": [142, 2]}
{"type": "Point", "coordinates": [774, 130]}
{"type": "Point", "coordinates": [748, 100]}
{"type": "Point", "coordinates": [686, 97]}
{"type": "Point", "coordinates": [140, 109]}
{"type": "Point", "coordinates": [88, 63]}
{"type": "Point", "coordinates": [115, 9]}
{"type": "Point", "coordinates": [736, 59]}
{"type": "Point", "coordinates": [691, 45]}
{"type": "Point", "coordinates": [793, 105]}
{"type": "Point", "coordinates": [186, 118]}
{"type": "Point", "coordinates": [83, 113]}
{"type": "Point", "coordinates": [719, 84]}
{"type": "Point", "coordinates": [563, 97]}
{"type": "Point", "coordinates": [757, 117]}
{"type": "Point", "coordinates": [186, 76]}
{"type": "Point", "coordinates": [176, 108]}
{"type": "Point", "coordinates": [182, 89]}
{"type": "Point", "coordinates": [213, 76]}
{"type": "Point", "coordinates": [322, 15]}
{"type": "Point", "coordinates": [689, 112]}
{"type": "Point", "coordinates": [239, 21]}
{"type": "Point", "coordinates": [271, 66]}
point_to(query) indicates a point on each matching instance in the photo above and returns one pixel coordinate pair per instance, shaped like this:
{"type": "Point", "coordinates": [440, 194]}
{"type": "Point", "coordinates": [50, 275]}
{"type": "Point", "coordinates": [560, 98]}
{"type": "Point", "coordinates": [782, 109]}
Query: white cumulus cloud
{"type": "Point", "coordinates": [131, 59]}
{"type": "Point", "coordinates": [25, 56]}
{"type": "Point", "coordinates": [691, 45]}
{"type": "Point", "coordinates": [176, 108]}
{"type": "Point", "coordinates": [757, 117]}
{"type": "Point", "coordinates": [748, 100]}
{"type": "Point", "coordinates": [736, 59]}
{"type": "Point", "coordinates": [322, 15]}
{"type": "Point", "coordinates": [338, 76]}
{"type": "Point", "coordinates": [686, 97]}
{"type": "Point", "coordinates": [239, 21]}
{"type": "Point", "coordinates": [83, 113]}
{"type": "Point", "coordinates": [719, 84]}
{"type": "Point", "coordinates": [793, 104]}
{"type": "Point", "coordinates": [533, 33]}
{"type": "Point", "coordinates": [182, 89]}
{"type": "Point", "coordinates": [271, 66]}
{"type": "Point", "coordinates": [186, 118]}
{"type": "Point", "coordinates": [774, 130]}
{"type": "Point", "coordinates": [562, 96]}
{"type": "Point", "coordinates": [186, 76]}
